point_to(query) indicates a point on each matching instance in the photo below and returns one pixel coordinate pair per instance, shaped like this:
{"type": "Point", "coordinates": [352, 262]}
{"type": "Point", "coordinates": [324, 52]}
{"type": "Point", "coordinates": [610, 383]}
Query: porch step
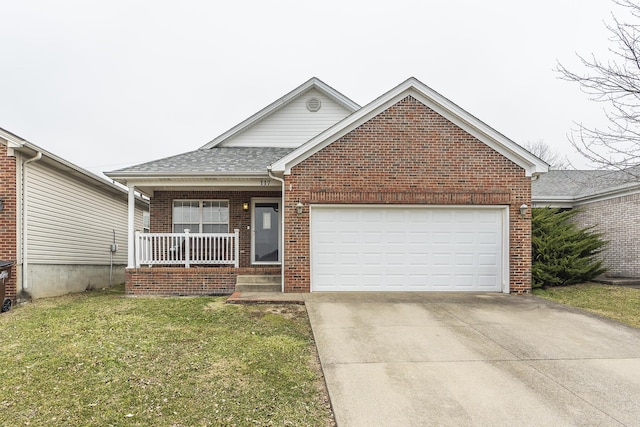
{"type": "Point", "coordinates": [258, 283]}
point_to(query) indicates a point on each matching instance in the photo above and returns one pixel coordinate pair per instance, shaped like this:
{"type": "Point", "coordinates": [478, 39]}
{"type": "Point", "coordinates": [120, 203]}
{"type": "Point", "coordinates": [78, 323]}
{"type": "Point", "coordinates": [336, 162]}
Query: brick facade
{"type": "Point", "coordinates": [619, 220]}
{"type": "Point", "coordinates": [407, 154]}
{"type": "Point", "coordinates": [8, 217]}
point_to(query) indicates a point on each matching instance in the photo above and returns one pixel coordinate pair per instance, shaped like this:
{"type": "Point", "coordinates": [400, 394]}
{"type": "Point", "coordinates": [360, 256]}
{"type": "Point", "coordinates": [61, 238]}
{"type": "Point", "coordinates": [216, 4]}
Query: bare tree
{"type": "Point", "coordinates": [615, 83]}
{"type": "Point", "coordinates": [545, 152]}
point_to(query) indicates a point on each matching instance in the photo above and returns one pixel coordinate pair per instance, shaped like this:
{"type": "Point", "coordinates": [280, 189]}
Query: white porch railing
{"type": "Point", "coordinates": [187, 248]}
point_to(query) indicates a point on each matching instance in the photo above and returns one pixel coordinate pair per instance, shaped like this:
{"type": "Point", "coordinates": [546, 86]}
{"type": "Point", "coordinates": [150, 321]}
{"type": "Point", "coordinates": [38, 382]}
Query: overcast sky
{"type": "Point", "coordinates": [106, 84]}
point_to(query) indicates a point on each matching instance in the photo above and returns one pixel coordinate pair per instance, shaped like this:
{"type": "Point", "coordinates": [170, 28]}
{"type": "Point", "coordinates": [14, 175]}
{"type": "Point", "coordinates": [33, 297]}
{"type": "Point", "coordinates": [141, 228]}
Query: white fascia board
{"type": "Point", "coordinates": [626, 190]}
{"type": "Point", "coordinates": [179, 175]}
{"type": "Point", "coordinates": [552, 201]}
{"type": "Point", "coordinates": [195, 180]}
{"type": "Point", "coordinates": [552, 204]}
{"type": "Point", "coordinates": [12, 141]}
{"type": "Point", "coordinates": [281, 102]}
{"type": "Point", "coordinates": [495, 140]}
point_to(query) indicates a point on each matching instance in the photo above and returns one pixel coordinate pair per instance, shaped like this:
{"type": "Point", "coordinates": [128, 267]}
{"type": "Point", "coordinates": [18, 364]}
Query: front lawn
{"type": "Point", "coordinates": [99, 358]}
{"type": "Point", "coordinates": [615, 302]}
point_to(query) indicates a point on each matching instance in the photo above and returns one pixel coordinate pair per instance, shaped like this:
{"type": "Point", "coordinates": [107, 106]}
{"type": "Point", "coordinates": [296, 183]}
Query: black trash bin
{"type": "Point", "coordinates": [5, 275]}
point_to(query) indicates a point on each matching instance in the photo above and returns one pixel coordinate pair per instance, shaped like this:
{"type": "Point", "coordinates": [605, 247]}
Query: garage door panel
{"type": "Point", "coordinates": [390, 248]}
{"type": "Point", "coordinates": [441, 237]}
{"type": "Point", "coordinates": [488, 259]}
{"type": "Point", "coordinates": [487, 281]}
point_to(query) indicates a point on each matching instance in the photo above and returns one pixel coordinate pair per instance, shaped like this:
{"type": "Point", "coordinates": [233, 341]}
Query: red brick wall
{"type": "Point", "coordinates": [161, 208]}
{"type": "Point", "coordinates": [407, 154]}
{"type": "Point", "coordinates": [177, 281]}
{"type": "Point", "coordinates": [8, 217]}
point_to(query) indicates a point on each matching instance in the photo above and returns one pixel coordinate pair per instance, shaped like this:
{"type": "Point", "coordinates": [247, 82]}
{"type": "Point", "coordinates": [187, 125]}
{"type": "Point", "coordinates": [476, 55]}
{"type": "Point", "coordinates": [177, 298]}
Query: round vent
{"type": "Point", "coordinates": [313, 104]}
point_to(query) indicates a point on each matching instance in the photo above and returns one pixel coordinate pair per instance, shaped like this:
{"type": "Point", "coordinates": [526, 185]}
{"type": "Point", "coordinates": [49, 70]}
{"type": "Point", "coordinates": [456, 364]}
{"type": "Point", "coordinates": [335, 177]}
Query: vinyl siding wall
{"type": "Point", "coordinates": [71, 222]}
{"type": "Point", "coordinates": [292, 125]}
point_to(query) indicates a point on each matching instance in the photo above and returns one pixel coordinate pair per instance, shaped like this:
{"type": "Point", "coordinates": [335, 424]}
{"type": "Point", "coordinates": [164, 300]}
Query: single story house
{"type": "Point", "coordinates": [64, 228]}
{"type": "Point", "coordinates": [609, 201]}
{"type": "Point", "coordinates": [407, 193]}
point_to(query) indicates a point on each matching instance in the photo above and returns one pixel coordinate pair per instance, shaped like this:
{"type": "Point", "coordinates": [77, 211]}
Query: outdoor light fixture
{"type": "Point", "coordinates": [299, 207]}
{"type": "Point", "coordinates": [245, 206]}
{"type": "Point", "coordinates": [1, 204]}
{"type": "Point", "coordinates": [523, 210]}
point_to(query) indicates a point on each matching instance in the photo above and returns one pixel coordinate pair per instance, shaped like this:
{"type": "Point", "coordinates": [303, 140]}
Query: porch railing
{"type": "Point", "coordinates": [187, 249]}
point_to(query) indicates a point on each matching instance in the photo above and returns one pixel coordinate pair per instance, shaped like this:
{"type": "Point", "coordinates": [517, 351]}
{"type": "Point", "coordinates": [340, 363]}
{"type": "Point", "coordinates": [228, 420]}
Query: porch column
{"type": "Point", "coordinates": [131, 228]}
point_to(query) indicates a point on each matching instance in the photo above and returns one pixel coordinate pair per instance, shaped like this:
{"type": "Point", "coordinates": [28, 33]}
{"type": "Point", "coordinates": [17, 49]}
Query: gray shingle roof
{"type": "Point", "coordinates": [573, 184]}
{"type": "Point", "coordinates": [223, 160]}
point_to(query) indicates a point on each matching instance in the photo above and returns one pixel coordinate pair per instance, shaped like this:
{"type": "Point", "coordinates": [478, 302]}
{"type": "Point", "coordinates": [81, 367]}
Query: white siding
{"type": "Point", "coordinates": [71, 222]}
{"type": "Point", "coordinates": [292, 125]}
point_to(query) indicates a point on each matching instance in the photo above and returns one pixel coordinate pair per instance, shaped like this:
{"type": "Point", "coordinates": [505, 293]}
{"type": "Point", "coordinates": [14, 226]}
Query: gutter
{"type": "Point", "coordinates": [25, 211]}
{"type": "Point", "coordinates": [282, 208]}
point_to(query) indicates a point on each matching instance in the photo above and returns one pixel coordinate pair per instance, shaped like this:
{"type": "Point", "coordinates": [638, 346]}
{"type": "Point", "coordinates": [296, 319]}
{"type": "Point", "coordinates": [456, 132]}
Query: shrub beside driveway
{"type": "Point", "coordinates": [101, 359]}
{"type": "Point", "coordinates": [614, 302]}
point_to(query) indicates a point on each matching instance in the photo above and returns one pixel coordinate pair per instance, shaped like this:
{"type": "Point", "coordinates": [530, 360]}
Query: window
{"type": "Point", "coordinates": [201, 216]}
{"type": "Point", "coordinates": [146, 222]}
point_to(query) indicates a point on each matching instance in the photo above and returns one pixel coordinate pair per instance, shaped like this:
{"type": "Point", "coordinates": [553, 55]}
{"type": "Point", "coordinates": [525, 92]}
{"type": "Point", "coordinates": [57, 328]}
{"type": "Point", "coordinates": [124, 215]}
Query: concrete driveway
{"type": "Point", "coordinates": [419, 359]}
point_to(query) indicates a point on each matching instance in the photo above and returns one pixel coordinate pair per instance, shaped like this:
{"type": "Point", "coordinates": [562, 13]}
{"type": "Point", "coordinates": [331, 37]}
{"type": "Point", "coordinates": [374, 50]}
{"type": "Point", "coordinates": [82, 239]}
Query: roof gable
{"type": "Point", "coordinates": [430, 98]}
{"type": "Point", "coordinates": [288, 122]}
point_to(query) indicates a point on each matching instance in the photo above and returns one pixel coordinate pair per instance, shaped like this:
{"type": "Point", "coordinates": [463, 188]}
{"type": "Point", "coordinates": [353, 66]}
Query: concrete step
{"type": "Point", "coordinates": [257, 283]}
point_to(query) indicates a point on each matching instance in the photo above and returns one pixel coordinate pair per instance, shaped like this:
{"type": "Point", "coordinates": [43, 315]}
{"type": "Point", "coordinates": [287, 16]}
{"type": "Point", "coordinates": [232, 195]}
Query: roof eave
{"type": "Point", "coordinates": [169, 175]}
{"type": "Point", "coordinates": [23, 146]}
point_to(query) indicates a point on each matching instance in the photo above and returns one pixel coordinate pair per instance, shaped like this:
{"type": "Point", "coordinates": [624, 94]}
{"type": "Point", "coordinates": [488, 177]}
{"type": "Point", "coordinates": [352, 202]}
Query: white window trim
{"type": "Point", "coordinates": [200, 213]}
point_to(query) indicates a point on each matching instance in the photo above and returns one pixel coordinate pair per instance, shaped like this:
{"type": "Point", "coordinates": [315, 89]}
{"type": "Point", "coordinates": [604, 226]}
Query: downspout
{"type": "Point", "coordinates": [25, 216]}
{"type": "Point", "coordinates": [272, 176]}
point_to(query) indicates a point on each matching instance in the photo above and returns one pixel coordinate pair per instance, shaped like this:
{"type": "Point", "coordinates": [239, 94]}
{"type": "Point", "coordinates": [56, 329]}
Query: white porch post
{"type": "Point", "coordinates": [187, 249]}
{"type": "Point", "coordinates": [236, 245]}
{"type": "Point", "coordinates": [131, 228]}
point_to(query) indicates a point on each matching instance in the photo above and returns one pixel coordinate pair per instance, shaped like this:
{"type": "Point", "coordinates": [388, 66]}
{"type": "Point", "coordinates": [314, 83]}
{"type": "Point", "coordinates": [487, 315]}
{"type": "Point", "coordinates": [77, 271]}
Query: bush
{"type": "Point", "coordinates": [563, 254]}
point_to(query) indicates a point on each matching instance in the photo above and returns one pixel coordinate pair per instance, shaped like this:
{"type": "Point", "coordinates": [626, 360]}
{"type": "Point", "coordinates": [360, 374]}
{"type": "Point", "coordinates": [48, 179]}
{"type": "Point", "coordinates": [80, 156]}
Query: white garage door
{"type": "Point", "coordinates": [356, 248]}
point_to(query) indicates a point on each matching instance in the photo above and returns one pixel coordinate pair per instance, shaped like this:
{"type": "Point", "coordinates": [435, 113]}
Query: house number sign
{"type": "Point", "coordinates": [265, 182]}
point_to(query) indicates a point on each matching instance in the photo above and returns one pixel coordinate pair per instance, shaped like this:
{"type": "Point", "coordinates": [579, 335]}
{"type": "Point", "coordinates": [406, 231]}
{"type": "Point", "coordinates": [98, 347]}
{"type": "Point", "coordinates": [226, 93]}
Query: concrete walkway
{"type": "Point", "coordinates": [432, 359]}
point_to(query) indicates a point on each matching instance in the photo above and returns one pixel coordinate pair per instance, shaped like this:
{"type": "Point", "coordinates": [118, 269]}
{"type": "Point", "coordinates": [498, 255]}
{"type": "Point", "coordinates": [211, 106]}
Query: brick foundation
{"type": "Point", "coordinates": [178, 281]}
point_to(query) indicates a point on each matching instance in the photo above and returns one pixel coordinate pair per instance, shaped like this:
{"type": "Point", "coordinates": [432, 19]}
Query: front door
{"type": "Point", "coordinates": [265, 245]}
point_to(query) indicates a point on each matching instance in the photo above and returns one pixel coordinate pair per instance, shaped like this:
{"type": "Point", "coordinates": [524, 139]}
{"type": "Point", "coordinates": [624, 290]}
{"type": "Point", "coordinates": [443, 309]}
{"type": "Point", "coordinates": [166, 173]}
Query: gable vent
{"type": "Point", "coordinates": [313, 104]}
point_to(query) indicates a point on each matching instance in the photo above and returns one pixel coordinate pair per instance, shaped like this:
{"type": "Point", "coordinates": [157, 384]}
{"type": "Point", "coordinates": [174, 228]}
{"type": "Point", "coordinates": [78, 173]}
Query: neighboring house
{"type": "Point", "coordinates": [609, 201]}
{"type": "Point", "coordinates": [408, 193]}
{"type": "Point", "coordinates": [58, 222]}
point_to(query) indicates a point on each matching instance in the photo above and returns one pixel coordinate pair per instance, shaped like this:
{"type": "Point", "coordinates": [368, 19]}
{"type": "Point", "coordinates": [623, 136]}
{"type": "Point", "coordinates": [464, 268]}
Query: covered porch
{"type": "Point", "coordinates": [198, 241]}
{"type": "Point", "coordinates": [207, 224]}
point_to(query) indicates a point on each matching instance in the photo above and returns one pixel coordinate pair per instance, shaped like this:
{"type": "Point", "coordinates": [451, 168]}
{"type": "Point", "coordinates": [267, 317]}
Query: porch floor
{"type": "Point", "coordinates": [265, 298]}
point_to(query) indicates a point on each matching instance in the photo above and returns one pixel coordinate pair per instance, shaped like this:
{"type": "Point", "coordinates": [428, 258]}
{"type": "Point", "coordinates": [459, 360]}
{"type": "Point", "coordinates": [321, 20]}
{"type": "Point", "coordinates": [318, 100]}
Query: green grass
{"type": "Point", "coordinates": [614, 302]}
{"type": "Point", "coordinates": [99, 358]}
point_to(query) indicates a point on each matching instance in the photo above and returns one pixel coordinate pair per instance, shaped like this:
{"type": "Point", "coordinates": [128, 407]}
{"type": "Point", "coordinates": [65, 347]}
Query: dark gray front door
{"type": "Point", "coordinates": [266, 231]}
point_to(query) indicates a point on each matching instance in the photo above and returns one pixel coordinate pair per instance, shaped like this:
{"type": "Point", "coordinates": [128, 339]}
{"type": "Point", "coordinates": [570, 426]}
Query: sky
{"type": "Point", "coordinates": [107, 84]}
